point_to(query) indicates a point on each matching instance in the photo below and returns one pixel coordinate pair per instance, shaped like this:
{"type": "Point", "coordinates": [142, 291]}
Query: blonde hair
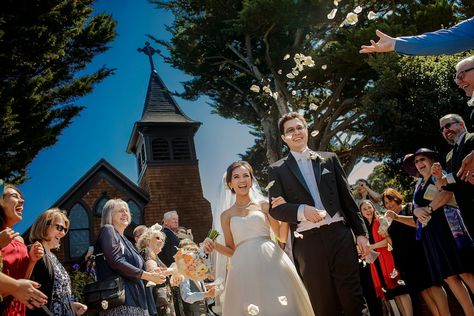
{"type": "Point", "coordinates": [39, 230]}
{"type": "Point", "coordinates": [149, 233]}
{"type": "Point", "coordinates": [108, 209]}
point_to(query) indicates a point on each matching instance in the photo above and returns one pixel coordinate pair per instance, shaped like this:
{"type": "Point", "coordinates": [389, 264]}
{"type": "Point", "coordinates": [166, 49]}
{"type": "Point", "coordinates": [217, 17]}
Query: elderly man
{"type": "Point", "coordinates": [454, 131]}
{"type": "Point", "coordinates": [170, 228]}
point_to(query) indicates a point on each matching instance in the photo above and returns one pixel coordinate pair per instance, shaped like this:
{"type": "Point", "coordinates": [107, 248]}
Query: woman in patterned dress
{"type": "Point", "coordinates": [49, 228]}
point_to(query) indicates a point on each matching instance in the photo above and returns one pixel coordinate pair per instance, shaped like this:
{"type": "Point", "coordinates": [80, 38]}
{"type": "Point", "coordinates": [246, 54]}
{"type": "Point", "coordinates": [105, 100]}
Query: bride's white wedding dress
{"type": "Point", "coordinates": [261, 278]}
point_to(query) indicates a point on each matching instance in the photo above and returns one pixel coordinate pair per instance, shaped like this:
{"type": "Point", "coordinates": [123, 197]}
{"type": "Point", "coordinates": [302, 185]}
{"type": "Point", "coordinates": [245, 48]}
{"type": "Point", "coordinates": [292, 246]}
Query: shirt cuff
{"type": "Point", "coordinates": [300, 216]}
{"type": "Point", "coordinates": [450, 178]}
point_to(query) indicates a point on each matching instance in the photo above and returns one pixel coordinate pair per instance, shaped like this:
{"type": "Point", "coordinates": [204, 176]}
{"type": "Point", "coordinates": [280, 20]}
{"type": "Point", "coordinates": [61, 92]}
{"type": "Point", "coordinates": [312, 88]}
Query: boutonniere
{"type": "Point", "coordinates": [314, 156]}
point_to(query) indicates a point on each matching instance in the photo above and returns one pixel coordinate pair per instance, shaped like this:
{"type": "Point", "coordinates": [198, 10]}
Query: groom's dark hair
{"type": "Point", "coordinates": [287, 117]}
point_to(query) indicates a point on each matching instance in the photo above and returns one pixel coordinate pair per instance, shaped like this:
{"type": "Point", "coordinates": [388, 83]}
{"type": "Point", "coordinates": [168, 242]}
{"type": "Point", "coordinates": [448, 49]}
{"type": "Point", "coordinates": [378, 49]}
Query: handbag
{"type": "Point", "coordinates": [105, 294]}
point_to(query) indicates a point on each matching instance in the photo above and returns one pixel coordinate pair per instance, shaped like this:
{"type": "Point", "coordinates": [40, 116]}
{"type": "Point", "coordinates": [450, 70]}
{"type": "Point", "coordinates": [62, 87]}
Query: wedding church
{"type": "Point", "coordinates": [162, 142]}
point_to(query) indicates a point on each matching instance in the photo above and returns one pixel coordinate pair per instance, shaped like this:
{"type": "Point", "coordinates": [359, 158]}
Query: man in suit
{"type": "Point", "coordinates": [170, 228]}
{"type": "Point", "coordinates": [454, 131]}
{"type": "Point", "coordinates": [321, 212]}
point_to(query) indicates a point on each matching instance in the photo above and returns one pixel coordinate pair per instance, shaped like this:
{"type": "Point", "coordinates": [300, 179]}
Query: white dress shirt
{"type": "Point", "coordinates": [306, 167]}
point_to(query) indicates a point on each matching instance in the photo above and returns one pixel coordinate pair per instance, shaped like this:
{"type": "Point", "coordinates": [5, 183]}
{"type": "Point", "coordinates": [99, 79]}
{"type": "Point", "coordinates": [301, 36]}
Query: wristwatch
{"type": "Point", "coordinates": [430, 209]}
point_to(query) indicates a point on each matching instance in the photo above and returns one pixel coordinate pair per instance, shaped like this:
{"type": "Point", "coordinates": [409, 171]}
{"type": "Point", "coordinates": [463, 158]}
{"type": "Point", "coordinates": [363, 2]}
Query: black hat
{"type": "Point", "coordinates": [409, 160]}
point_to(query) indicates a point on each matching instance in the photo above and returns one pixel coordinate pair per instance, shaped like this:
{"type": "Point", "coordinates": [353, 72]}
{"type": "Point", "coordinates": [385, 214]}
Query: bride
{"type": "Point", "coordinates": [261, 279]}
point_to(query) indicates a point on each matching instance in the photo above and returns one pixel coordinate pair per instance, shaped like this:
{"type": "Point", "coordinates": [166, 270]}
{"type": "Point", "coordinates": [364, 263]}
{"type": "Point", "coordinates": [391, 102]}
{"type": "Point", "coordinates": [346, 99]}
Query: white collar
{"type": "Point", "coordinates": [301, 155]}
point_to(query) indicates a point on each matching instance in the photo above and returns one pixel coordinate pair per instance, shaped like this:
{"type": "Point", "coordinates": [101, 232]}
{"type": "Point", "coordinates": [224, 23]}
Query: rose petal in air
{"type": "Point", "coordinates": [283, 300]}
{"type": "Point", "coordinates": [255, 88]}
{"type": "Point", "coordinates": [358, 9]}
{"type": "Point", "coordinates": [253, 310]}
{"type": "Point", "coordinates": [372, 15]}
{"type": "Point", "coordinates": [315, 133]}
{"type": "Point", "coordinates": [351, 18]}
{"type": "Point", "coordinates": [286, 57]}
{"type": "Point", "coordinates": [269, 185]}
{"type": "Point", "coordinates": [332, 14]}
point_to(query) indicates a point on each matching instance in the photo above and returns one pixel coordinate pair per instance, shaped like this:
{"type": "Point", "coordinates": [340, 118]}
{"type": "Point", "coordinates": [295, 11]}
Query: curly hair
{"type": "Point", "coordinates": [148, 234]}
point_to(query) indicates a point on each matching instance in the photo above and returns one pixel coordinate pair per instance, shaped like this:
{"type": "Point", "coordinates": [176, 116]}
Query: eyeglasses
{"type": "Point", "coordinates": [447, 125]}
{"type": "Point", "coordinates": [60, 228]}
{"type": "Point", "coordinates": [293, 130]}
{"type": "Point", "coordinates": [460, 75]}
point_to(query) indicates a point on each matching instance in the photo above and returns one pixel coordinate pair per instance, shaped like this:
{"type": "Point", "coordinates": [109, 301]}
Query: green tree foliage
{"type": "Point", "coordinates": [229, 46]}
{"type": "Point", "coordinates": [392, 176]}
{"type": "Point", "coordinates": [45, 46]}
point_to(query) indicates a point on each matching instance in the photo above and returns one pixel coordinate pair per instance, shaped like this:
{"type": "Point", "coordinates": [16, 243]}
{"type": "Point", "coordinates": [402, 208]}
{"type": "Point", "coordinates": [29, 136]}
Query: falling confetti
{"type": "Point", "coordinates": [269, 185]}
{"type": "Point", "coordinates": [255, 88]}
{"type": "Point", "coordinates": [313, 107]}
{"type": "Point", "coordinates": [280, 71]}
{"type": "Point", "coordinates": [283, 300]}
{"type": "Point", "coordinates": [297, 235]}
{"type": "Point", "coordinates": [372, 15]}
{"type": "Point", "coordinates": [286, 57]}
{"type": "Point", "coordinates": [290, 75]}
{"type": "Point", "coordinates": [332, 14]}
{"type": "Point", "coordinates": [358, 9]}
{"type": "Point", "coordinates": [275, 95]}
{"type": "Point", "coordinates": [253, 309]}
{"type": "Point", "coordinates": [351, 18]}
{"type": "Point", "coordinates": [315, 133]}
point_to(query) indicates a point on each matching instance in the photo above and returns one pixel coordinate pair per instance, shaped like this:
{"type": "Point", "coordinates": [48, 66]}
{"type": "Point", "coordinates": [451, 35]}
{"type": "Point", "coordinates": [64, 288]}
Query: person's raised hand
{"type": "Point", "coordinates": [385, 44]}
{"type": "Point", "coordinates": [36, 251]}
{"type": "Point", "coordinates": [6, 236]}
{"type": "Point", "coordinates": [466, 171]}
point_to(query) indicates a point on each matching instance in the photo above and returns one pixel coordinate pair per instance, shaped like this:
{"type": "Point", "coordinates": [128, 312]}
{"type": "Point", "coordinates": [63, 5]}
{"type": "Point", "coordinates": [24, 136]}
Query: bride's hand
{"type": "Point", "coordinates": [277, 201]}
{"type": "Point", "coordinates": [208, 245]}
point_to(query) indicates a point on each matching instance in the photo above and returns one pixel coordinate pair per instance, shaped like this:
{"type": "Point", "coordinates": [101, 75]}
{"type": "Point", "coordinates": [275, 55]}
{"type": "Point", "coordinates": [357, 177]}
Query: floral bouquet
{"type": "Point", "coordinates": [192, 262]}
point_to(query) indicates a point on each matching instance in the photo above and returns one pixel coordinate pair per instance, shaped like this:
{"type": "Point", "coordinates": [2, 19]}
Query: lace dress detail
{"type": "Point", "coordinates": [61, 297]}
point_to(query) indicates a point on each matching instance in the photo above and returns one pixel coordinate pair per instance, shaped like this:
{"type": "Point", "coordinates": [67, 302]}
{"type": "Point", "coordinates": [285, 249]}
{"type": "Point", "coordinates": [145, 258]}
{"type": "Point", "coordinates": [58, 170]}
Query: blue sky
{"type": "Point", "coordinates": [103, 129]}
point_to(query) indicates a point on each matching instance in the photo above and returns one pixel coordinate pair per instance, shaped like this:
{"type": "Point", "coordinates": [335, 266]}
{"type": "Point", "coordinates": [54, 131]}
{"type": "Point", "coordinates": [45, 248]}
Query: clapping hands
{"type": "Point", "coordinates": [36, 252]}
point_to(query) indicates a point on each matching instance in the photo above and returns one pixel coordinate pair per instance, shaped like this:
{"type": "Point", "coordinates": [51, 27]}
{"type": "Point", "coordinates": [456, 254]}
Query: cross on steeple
{"type": "Point", "coordinates": [149, 51]}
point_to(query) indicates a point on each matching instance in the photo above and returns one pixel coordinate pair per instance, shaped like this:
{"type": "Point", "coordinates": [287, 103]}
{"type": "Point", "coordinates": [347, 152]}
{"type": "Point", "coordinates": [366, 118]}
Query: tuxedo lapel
{"type": "Point", "coordinates": [317, 170]}
{"type": "Point", "coordinates": [293, 165]}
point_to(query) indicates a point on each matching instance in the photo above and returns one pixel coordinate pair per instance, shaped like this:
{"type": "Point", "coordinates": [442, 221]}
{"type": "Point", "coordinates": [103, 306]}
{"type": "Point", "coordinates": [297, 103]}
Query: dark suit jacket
{"type": "Point", "coordinates": [43, 273]}
{"type": "Point", "coordinates": [170, 248]}
{"type": "Point", "coordinates": [333, 189]}
{"type": "Point", "coordinates": [463, 191]}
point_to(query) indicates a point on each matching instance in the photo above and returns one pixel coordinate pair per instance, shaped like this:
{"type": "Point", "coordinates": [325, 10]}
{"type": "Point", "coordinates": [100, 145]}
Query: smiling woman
{"type": "Point", "coordinates": [17, 261]}
{"type": "Point", "coordinates": [49, 228]}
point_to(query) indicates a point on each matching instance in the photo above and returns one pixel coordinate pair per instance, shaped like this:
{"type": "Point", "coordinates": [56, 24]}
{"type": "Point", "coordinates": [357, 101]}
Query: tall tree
{"type": "Point", "coordinates": [259, 59]}
{"type": "Point", "coordinates": [45, 46]}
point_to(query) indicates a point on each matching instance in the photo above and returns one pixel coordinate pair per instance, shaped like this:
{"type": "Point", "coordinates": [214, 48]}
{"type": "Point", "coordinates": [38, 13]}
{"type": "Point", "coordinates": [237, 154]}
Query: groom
{"type": "Point", "coordinates": [321, 213]}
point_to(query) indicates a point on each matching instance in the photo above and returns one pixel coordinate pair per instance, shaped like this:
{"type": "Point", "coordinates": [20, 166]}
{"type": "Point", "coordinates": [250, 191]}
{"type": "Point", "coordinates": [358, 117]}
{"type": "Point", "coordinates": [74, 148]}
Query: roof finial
{"type": "Point", "coordinates": [149, 51]}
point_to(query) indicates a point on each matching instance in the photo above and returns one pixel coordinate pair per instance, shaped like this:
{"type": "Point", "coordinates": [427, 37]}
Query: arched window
{"type": "Point", "coordinates": [78, 231]}
{"type": "Point", "coordinates": [136, 212]}
{"type": "Point", "coordinates": [99, 206]}
{"type": "Point", "coordinates": [160, 149]}
{"type": "Point", "coordinates": [181, 149]}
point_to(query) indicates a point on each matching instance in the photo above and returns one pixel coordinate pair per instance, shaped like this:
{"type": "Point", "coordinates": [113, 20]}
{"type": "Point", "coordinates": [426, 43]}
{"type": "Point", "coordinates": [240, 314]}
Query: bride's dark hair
{"type": "Point", "coordinates": [234, 165]}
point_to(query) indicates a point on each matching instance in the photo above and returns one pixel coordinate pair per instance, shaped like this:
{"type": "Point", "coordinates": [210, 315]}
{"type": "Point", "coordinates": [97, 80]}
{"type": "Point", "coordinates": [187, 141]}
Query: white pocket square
{"type": "Point", "coordinates": [325, 171]}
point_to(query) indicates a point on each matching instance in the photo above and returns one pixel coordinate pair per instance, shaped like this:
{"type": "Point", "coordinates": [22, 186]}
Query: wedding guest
{"type": "Point", "coordinates": [18, 261]}
{"type": "Point", "coordinates": [184, 233]}
{"type": "Point", "coordinates": [121, 258]}
{"type": "Point", "coordinates": [453, 40]}
{"type": "Point", "coordinates": [409, 255]}
{"type": "Point", "coordinates": [444, 259]}
{"type": "Point", "coordinates": [138, 231]}
{"type": "Point", "coordinates": [150, 245]}
{"type": "Point", "coordinates": [364, 192]}
{"type": "Point", "coordinates": [194, 293]}
{"type": "Point", "coordinates": [170, 228]}
{"type": "Point", "coordinates": [48, 229]}
{"type": "Point", "coordinates": [454, 131]}
{"type": "Point", "coordinates": [383, 271]}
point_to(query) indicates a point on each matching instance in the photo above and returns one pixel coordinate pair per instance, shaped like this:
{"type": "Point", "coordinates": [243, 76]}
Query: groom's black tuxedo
{"type": "Point", "coordinates": [326, 257]}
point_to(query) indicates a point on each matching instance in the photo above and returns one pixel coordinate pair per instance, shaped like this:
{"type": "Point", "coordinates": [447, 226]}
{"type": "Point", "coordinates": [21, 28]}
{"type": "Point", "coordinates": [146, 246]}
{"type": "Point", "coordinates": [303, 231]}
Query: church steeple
{"type": "Point", "coordinates": [164, 134]}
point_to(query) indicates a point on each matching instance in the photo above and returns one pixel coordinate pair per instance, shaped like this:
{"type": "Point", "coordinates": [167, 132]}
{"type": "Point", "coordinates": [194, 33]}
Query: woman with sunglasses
{"type": "Point", "coordinates": [18, 260]}
{"type": "Point", "coordinates": [48, 229]}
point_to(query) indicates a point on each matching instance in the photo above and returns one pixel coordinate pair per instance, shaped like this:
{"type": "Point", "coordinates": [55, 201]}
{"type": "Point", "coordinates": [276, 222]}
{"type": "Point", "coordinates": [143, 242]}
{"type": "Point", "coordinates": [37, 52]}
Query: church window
{"type": "Point", "coordinates": [181, 149]}
{"type": "Point", "coordinates": [78, 231]}
{"type": "Point", "coordinates": [99, 206]}
{"type": "Point", "coordinates": [160, 149]}
{"type": "Point", "coordinates": [136, 212]}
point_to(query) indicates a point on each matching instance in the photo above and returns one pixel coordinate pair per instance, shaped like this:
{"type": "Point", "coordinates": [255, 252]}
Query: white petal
{"type": "Point", "coordinates": [296, 72]}
{"type": "Point", "coordinates": [358, 9]}
{"type": "Point", "coordinates": [280, 71]}
{"type": "Point", "coordinates": [313, 107]}
{"type": "Point", "coordinates": [351, 18]}
{"type": "Point", "coordinates": [332, 14]}
{"type": "Point", "coordinates": [269, 185]}
{"type": "Point", "coordinates": [293, 92]}
{"type": "Point", "coordinates": [283, 300]}
{"type": "Point", "coordinates": [324, 67]}
{"type": "Point", "coordinates": [253, 309]}
{"type": "Point", "coordinates": [315, 133]}
{"type": "Point", "coordinates": [290, 75]}
{"type": "Point", "coordinates": [336, 3]}
{"type": "Point", "coordinates": [372, 15]}
{"type": "Point", "coordinates": [286, 57]}
{"type": "Point", "coordinates": [255, 88]}
{"type": "Point", "coordinates": [275, 95]}
{"type": "Point", "coordinates": [297, 235]}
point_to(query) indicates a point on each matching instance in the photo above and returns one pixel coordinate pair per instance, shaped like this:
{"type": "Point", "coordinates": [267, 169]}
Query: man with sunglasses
{"type": "Point", "coordinates": [454, 131]}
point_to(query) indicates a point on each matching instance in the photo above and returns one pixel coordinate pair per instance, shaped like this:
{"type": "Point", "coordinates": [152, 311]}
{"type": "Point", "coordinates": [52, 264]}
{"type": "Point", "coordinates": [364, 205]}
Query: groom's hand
{"type": "Point", "coordinates": [312, 214]}
{"type": "Point", "coordinates": [363, 245]}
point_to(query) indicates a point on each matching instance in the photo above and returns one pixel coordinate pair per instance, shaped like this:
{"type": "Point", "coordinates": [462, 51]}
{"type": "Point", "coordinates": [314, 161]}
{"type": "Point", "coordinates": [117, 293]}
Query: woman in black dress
{"type": "Point", "coordinates": [409, 255]}
{"type": "Point", "coordinates": [442, 254]}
